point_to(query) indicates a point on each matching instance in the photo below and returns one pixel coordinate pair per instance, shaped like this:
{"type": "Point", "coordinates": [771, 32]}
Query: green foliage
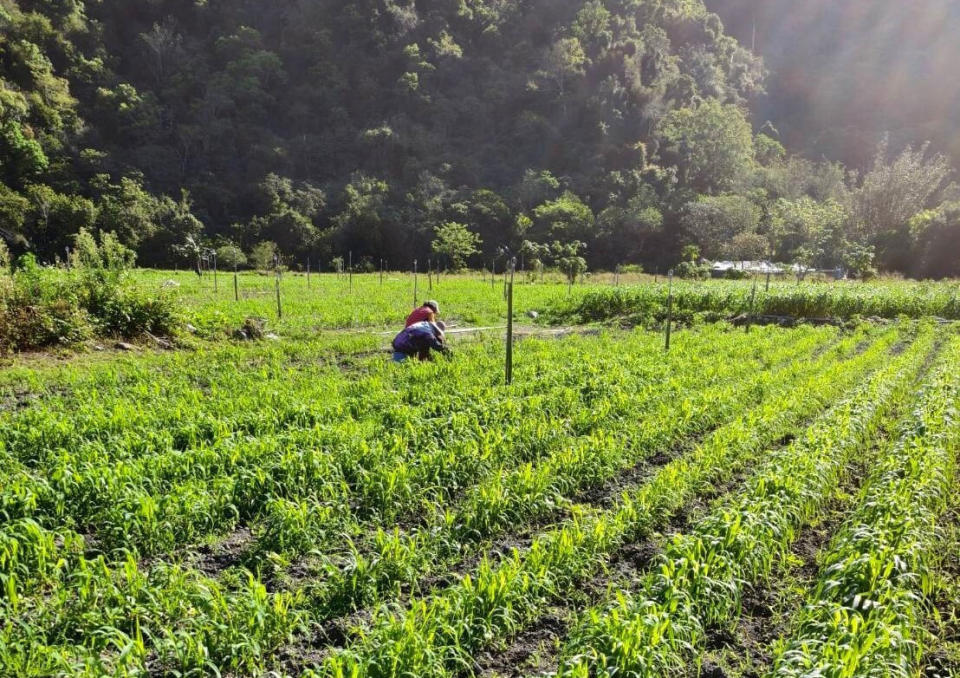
{"type": "Point", "coordinates": [230, 256]}
{"type": "Point", "coordinates": [21, 158]}
{"type": "Point", "coordinates": [567, 257]}
{"type": "Point", "coordinates": [220, 122]}
{"type": "Point", "coordinates": [892, 192]}
{"type": "Point", "coordinates": [263, 255]}
{"type": "Point", "coordinates": [43, 307]}
{"type": "Point", "coordinates": [566, 218]}
{"type": "Point", "coordinates": [457, 243]}
{"type": "Point", "coordinates": [53, 218]}
{"type": "Point", "coordinates": [715, 222]}
{"type": "Point", "coordinates": [710, 144]}
{"type": "Point", "coordinates": [691, 270]}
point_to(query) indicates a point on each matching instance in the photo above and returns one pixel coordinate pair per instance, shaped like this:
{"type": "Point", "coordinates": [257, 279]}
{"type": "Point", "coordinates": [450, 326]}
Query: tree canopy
{"type": "Point", "coordinates": [324, 127]}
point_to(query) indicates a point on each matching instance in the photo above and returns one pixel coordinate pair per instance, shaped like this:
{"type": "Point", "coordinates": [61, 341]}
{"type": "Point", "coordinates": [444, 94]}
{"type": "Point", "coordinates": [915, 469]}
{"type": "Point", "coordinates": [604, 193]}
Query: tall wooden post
{"type": "Point", "coordinates": [509, 365]}
{"type": "Point", "coordinates": [276, 264]}
{"type": "Point", "coordinates": [669, 308]}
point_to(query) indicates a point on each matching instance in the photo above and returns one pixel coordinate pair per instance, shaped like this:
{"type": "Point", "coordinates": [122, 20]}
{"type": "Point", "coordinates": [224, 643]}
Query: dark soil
{"type": "Point", "coordinates": [17, 399]}
{"type": "Point", "coordinates": [939, 665]}
{"type": "Point", "coordinates": [227, 553]}
{"type": "Point", "coordinates": [528, 650]}
{"type": "Point", "coordinates": [605, 495]}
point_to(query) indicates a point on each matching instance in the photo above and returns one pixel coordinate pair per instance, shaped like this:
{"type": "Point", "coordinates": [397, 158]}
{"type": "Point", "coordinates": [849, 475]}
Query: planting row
{"type": "Point", "coordinates": [140, 614]}
{"type": "Point", "coordinates": [648, 303]}
{"type": "Point", "coordinates": [698, 581]}
{"type": "Point", "coordinates": [865, 616]}
{"type": "Point", "coordinates": [439, 635]}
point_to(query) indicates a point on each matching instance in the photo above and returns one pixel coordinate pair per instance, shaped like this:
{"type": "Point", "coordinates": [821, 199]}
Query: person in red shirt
{"type": "Point", "coordinates": [426, 313]}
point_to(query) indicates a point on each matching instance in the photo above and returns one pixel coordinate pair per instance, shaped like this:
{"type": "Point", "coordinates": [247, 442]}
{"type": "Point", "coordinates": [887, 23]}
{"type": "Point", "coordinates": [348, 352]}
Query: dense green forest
{"type": "Point", "coordinates": [616, 130]}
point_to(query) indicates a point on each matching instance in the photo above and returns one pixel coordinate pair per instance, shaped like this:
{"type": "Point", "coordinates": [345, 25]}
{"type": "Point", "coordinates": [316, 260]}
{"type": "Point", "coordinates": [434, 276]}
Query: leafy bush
{"type": "Point", "coordinates": [31, 327]}
{"type": "Point", "coordinates": [689, 270]}
{"type": "Point", "coordinates": [130, 312]}
{"type": "Point", "coordinates": [231, 256]}
{"type": "Point", "coordinates": [41, 307]}
{"type": "Point", "coordinates": [263, 255]}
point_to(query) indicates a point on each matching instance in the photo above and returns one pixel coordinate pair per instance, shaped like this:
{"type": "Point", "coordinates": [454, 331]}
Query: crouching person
{"type": "Point", "coordinates": [420, 339]}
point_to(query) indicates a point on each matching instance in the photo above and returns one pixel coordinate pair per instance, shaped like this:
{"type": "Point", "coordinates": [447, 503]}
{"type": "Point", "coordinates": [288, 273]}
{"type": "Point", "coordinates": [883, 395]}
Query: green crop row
{"type": "Point", "coordinates": [131, 603]}
{"type": "Point", "coordinates": [439, 635]}
{"type": "Point", "coordinates": [865, 617]}
{"type": "Point", "coordinates": [698, 581]}
{"type": "Point", "coordinates": [391, 559]}
{"type": "Point", "coordinates": [130, 506]}
{"type": "Point", "coordinates": [843, 301]}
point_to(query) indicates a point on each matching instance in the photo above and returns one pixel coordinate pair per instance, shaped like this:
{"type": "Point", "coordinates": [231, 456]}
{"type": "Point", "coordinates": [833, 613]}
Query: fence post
{"type": "Point", "coordinates": [767, 289]}
{"type": "Point", "coordinates": [381, 273]}
{"type": "Point", "coordinates": [669, 307]}
{"type": "Point", "coordinates": [351, 271]}
{"type": "Point", "coordinates": [415, 293]}
{"type": "Point", "coordinates": [236, 283]}
{"type": "Point", "coordinates": [616, 277]}
{"type": "Point", "coordinates": [276, 263]}
{"type": "Point", "coordinates": [509, 365]}
{"type": "Point", "coordinates": [430, 273]}
{"type": "Point", "coordinates": [493, 274]}
{"type": "Point", "coordinates": [753, 296]}
{"type": "Point", "coordinates": [308, 272]}
{"type": "Point", "coordinates": [216, 287]}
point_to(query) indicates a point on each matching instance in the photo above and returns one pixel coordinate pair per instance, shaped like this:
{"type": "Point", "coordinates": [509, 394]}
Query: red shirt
{"type": "Point", "coordinates": [420, 315]}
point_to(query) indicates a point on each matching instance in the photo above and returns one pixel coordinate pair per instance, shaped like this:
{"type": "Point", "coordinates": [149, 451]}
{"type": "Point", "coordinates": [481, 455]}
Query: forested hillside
{"type": "Point", "coordinates": [844, 73]}
{"type": "Point", "coordinates": [617, 130]}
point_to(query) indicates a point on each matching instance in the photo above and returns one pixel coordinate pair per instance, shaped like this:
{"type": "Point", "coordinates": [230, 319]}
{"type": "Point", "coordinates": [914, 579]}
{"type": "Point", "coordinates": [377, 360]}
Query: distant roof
{"type": "Point", "coordinates": [752, 266]}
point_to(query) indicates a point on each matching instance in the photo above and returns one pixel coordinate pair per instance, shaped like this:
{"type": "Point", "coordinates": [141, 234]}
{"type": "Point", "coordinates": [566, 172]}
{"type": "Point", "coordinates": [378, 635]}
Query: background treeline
{"type": "Point", "coordinates": [616, 130]}
{"type": "Point", "coordinates": [844, 73]}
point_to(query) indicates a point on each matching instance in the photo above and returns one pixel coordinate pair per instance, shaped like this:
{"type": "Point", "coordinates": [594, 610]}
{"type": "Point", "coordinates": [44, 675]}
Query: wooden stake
{"type": "Point", "coordinates": [279, 304]}
{"type": "Point", "coordinates": [509, 365]}
{"type": "Point", "coordinates": [669, 308]}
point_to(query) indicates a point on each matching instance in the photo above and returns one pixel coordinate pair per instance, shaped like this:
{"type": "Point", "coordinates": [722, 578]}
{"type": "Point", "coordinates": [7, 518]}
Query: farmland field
{"type": "Point", "coordinates": [766, 503]}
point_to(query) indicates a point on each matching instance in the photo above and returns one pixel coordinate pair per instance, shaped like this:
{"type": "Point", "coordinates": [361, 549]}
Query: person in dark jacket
{"type": "Point", "coordinates": [419, 340]}
{"type": "Point", "coordinates": [426, 313]}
